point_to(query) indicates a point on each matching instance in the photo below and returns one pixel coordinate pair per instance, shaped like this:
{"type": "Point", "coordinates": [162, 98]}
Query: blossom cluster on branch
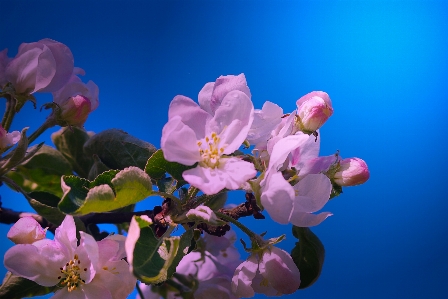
{"type": "Point", "coordinates": [209, 148]}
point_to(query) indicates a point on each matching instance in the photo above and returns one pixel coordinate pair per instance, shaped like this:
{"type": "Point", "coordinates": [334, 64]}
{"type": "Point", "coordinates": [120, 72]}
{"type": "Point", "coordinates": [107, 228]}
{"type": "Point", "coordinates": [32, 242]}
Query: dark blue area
{"type": "Point", "coordinates": [383, 63]}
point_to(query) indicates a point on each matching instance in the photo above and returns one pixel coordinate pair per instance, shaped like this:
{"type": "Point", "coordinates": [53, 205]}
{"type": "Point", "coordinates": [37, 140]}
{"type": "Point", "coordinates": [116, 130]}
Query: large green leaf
{"type": "Point", "coordinates": [16, 287]}
{"type": "Point", "coordinates": [111, 190]}
{"type": "Point", "coordinates": [70, 142]}
{"type": "Point", "coordinates": [308, 255]}
{"type": "Point", "coordinates": [118, 150]}
{"type": "Point", "coordinates": [42, 172]}
{"type": "Point", "coordinates": [155, 260]}
{"type": "Point", "coordinates": [157, 166]}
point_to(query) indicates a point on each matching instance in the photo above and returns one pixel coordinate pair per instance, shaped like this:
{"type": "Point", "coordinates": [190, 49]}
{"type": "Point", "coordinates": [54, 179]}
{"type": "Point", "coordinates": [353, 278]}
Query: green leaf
{"type": "Point", "coordinates": [308, 255]}
{"type": "Point", "coordinates": [111, 190]}
{"type": "Point", "coordinates": [42, 172]}
{"type": "Point", "coordinates": [155, 260]}
{"type": "Point", "coordinates": [16, 287]}
{"type": "Point", "coordinates": [70, 142]}
{"type": "Point", "coordinates": [157, 166]}
{"type": "Point", "coordinates": [97, 168]}
{"type": "Point", "coordinates": [118, 150]}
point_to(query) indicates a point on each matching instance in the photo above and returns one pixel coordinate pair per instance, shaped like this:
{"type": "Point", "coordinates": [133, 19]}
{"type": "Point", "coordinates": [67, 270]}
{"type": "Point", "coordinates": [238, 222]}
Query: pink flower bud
{"type": "Point", "coordinates": [26, 231]}
{"type": "Point", "coordinates": [76, 100]}
{"type": "Point", "coordinates": [43, 66]}
{"type": "Point", "coordinates": [75, 110]}
{"type": "Point", "coordinates": [313, 110]}
{"type": "Point", "coordinates": [352, 171]}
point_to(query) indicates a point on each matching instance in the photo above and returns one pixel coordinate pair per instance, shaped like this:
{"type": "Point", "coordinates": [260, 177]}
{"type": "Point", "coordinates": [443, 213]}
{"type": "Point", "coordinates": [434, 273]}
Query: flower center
{"type": "Point", "coordinates": [210, 151]}
{"type": "Point", "coordinates": [71, 274]}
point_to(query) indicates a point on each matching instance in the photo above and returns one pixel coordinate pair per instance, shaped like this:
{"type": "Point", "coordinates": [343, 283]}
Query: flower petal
{"type": "Point", "coordinates": [242, 279]}
{"type": "Point", "coordinates": [39, 262]}
{"type": "Point", "coordinates": [276, 198]}
{"type": "Point", "coordinates": [280, 270]}
{"type": "Point", "coordinates": [179, 143]}
{"type": "Point", "coordinates": [313, 192]}
{"type": "Point", "coordinates": [26, 231]}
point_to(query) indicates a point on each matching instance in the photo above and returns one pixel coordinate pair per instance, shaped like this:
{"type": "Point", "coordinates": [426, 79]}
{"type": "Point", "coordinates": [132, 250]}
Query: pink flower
{"type": "Point", "coordinates": [43, 66]}
{"type": "Point", "coordinates": [26, 231]}
{"type": "Point", "coordinates": [313, 110]}
{"type": "Point", "coordinates": [90, 270]}
{"type": "Point", "coordinates": [7, 139]}
{"type": "Point", "coordinates": [352, 171]}
{"type": "Point", "coordinates": [294, 204]}
{"type": "Point", "coordinates": [76, 100]}
{"type": "Point", "coordinates": [271, 272]}
{"type": "Point", "coordinates": [193, 135]}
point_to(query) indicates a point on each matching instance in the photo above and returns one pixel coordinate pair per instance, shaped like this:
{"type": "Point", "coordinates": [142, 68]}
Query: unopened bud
{"type": "Point", "coordinates": [351, 172]}
{"type": "Point", "coordinates": [26, 231]}
{"type": "Point", "coordinates": [74, 110]}
{"type": "Point", "coordinates": [313, 110]}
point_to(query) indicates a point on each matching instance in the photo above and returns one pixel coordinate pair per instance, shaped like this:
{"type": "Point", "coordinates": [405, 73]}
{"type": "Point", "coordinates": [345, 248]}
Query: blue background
{"type": "Point", "coordinates": [383, 63]}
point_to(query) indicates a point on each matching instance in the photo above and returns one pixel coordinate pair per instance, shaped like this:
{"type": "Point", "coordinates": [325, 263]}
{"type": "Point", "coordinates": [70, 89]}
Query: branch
{"type": "Point", "coordinates": [8, 216]}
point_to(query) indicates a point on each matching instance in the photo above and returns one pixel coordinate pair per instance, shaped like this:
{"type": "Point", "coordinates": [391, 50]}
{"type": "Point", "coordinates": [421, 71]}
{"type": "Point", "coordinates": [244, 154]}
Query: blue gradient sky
{"type": "Point", "coordinates": [383, 63]}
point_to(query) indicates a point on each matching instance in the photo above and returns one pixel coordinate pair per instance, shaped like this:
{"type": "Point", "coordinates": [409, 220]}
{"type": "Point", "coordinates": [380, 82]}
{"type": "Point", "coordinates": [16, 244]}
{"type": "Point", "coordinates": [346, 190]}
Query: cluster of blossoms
{"type": "Point", "coordinates": [293, 181]}
{"type": "Point", "coordinates": [284, 176]}
{"type": "Point", "coordinates": [48, 66]}
{"type": "Point", "coordinates": [89, 270]}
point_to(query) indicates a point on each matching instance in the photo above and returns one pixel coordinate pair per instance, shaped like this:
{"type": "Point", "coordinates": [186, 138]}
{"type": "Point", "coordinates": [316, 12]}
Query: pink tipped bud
{"type": "Point", "coordinates": [352, 171]}
{"type": "Point", "coordinates": [74, 110]}
{"type": "Point", "coordinates": [26, 231]}
{"type": "Point", "coordinates": [313, 110]}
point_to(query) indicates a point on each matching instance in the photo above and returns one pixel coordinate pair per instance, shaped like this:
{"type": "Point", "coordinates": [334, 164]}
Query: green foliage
{"type": "Point", "coordinates": [42, 172]}
{"type": "Point", "coordinates": [155, 260]}
{"type": "Point", "coordinates": [16, 287]}
{"type": "Point", "coordinates": [111, 190]}
{"type": "Point", "coordinates": [308, 255]}
{"type": "Point", "coordinates": [70, 142]}
{"type": "Point", "coordinates": [118, 150]}
{"type": "Point", "coordinates": [157, 166]}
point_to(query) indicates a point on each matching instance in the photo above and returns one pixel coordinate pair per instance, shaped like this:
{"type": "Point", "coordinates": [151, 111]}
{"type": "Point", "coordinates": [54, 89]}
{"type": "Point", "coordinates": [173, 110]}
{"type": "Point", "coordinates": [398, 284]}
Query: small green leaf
{"type": "Point", "coordinates": [42, 172]}
{"type": "Point", "coordinates": [16, 287]}
{"type": "Point", "coordinates": [157, 166]}
{"type": "Point", "coordinates": [111, 190]}
{"type": "Point", "coordinates": [118, 150]}
{"type": "Point", "coordinates": [70, 142]}
{"type": "Point", "coordinates": [155, 260]}
{"type": "Point", "coordinates": [308, 255]}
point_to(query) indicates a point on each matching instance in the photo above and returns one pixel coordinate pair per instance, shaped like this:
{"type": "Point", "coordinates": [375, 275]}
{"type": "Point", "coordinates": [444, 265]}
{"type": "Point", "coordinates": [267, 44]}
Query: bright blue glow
{"type": "Point", "coordinates": [384, 64]}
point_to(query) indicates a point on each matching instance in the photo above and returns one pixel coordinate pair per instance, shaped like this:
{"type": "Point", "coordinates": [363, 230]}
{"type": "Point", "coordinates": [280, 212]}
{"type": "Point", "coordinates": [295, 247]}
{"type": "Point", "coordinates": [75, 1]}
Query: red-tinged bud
{"type": "Point", "coordinates": [313, 110]}
{"type": "Point", "coordinates": [75, 110]}
{"type": "Point", "coordinates": [351, 172]}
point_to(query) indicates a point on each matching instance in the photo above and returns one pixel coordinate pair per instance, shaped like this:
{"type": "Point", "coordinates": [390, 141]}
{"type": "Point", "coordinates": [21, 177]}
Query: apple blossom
{"type": "Point", "coordinates": [43, 66]}
{"type": "Point", "coordinates": [351, 172]}
{"type": "Point", "coordinates": [26, 231]}
{"type": "Point", "coordinates": [270, 271]}
{"type": "Point", "coordinates": [193, 135]}
{"type": "Point", "coordinates": [7, 139]}
{"type": "Point", "coordinates": [313, 110]}
{"type": "Point", "coordinates": [293, 204]}
{"type": "Point", "coordinates": [265, 120]}
{"type": "Point", "coordinates": [90, 270]}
